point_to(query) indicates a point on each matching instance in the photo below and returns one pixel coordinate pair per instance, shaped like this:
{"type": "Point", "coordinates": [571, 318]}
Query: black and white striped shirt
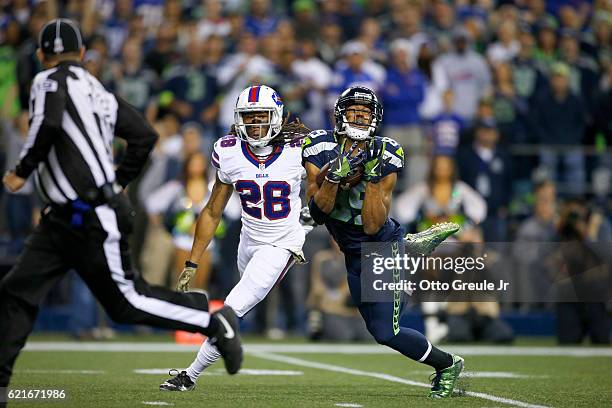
{"type": "Point", "coordinates": [73, 120]}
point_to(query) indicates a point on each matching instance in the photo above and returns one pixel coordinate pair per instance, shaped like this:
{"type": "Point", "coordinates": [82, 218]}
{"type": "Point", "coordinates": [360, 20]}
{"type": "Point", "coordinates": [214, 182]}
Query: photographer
{"type": "Point", "coordinates": [581, 270]}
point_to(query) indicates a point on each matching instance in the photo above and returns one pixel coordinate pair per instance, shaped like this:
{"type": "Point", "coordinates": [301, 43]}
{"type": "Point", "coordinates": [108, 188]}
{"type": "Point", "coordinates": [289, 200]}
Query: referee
{"type": "Point", "coordinates": [84, 224]}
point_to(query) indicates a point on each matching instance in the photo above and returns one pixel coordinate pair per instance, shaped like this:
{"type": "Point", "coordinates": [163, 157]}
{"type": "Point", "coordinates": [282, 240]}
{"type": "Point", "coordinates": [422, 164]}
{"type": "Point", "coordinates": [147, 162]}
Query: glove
{"type": "Point", "coordinates": [189, 271]}
{"type": "Point", "coordinates": [375, 161]}
{"type": "Point", "coordinates": [345, 163]}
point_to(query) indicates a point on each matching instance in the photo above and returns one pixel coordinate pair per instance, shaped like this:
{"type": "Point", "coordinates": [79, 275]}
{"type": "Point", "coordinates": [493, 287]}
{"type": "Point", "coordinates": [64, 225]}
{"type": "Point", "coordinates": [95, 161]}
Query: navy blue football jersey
{"type": "Point", "coordinates": [344, 222]}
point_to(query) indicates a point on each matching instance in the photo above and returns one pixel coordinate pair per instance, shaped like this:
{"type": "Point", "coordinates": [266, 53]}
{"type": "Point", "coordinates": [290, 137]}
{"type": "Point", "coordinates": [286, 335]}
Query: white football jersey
{"type": "Point", "coordinates": [269, 190]}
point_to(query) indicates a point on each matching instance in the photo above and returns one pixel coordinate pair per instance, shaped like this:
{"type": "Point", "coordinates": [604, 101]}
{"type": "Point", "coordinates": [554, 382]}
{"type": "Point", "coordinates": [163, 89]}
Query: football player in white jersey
{"type": "Point", "coordinates": [266, 171]}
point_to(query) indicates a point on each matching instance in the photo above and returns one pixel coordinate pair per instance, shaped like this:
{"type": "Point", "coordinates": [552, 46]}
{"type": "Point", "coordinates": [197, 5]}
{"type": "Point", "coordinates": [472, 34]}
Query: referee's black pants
{"type": "Point", "coordinates": [98, 251]}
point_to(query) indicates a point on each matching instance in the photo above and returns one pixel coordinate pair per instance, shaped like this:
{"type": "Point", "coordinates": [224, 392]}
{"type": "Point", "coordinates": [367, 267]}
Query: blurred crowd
{"type": "Point", "coordinates": [504, 110]}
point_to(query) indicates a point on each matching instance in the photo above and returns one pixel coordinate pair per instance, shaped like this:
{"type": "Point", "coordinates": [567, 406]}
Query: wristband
{"type": "Point", "coordinates": [189, 264]}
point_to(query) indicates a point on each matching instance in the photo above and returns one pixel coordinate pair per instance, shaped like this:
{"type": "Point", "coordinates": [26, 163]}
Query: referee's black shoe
{"type": "Point", "coordinates": [227, 340]}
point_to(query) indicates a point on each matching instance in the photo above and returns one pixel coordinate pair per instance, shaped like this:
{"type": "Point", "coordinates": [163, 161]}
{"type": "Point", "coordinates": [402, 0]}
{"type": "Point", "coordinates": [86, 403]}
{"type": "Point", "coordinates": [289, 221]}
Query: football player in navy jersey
{"type": "Point", "coordinates": [361, 214]}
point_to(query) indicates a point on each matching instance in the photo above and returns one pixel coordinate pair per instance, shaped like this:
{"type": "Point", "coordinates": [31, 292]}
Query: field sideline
{"type": "Point", "coordinates": [126, 374]}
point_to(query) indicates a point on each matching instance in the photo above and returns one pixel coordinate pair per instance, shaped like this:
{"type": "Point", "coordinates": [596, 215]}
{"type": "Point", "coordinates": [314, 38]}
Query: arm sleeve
{"type": "Point", "coordinates": [140, 137]}
{"type": "Point", "coordinates": [47, 102]}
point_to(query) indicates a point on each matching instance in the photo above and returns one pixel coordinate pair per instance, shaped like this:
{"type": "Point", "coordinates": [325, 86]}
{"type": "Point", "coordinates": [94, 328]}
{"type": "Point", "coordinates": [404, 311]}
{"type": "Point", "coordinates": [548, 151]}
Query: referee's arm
{"type": "Point", "coordinates": [140, 137]}
{"type": "Point", "coordinates": [47, 102]}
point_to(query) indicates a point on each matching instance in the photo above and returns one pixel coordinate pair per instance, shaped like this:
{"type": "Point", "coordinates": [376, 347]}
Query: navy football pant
{"type": "Point", "coordinates": [382, 318]}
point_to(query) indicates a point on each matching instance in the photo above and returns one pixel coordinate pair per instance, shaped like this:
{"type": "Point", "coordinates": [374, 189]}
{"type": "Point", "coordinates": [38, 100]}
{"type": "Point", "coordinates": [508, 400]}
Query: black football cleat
{"type": "Point", "coordinates": [227, 340]}
{"type": "Point", "coordinates": [179, 382]}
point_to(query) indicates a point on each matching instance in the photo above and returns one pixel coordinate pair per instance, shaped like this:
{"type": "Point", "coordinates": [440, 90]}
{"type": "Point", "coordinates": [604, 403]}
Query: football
{"type": "Point", "coordinates": [346, 183]}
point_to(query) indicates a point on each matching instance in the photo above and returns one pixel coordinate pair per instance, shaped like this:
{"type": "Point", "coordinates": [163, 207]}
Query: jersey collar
{"type": "Point", "coordinates": [258, 162]}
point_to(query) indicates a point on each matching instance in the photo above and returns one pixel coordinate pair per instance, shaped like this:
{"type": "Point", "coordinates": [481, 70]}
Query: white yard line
{"type": "Point", "coordinates": [43, 371]}
{"type": "Point", "coordinates": [386, 377]}
{"type": "Point", "coordinates": [336, 348]}
{"type": "Point", "coordinates": [244, 371]}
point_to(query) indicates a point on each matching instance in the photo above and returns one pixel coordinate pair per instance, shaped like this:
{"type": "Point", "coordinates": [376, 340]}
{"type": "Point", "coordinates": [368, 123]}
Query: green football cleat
{"type": "Point", "coordinates": [443, 382]}
{"type": "Point", "coordinates": [424, 242]}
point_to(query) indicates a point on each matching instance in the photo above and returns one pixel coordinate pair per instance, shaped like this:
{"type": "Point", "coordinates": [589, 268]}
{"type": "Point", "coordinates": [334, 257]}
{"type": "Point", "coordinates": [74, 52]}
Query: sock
{"type": "Point", "coordinates": [414, 345]}
{"type": "Point", "coordinates": [207, 355]}
{"type": "Point", "coordinates": [438, 359]}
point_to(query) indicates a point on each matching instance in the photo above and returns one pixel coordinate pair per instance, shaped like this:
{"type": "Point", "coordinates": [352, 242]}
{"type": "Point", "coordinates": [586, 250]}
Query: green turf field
{"type": "Point", "coordinates": [306, 375]}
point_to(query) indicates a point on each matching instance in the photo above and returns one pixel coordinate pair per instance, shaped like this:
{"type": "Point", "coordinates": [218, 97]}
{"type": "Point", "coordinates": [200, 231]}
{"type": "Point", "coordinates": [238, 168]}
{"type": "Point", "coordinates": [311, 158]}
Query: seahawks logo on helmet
{"type": "Point", "coordinates": [357, 95]}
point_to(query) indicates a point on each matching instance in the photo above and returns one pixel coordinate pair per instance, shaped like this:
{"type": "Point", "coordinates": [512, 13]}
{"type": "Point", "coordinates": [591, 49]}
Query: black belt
{"type": "Point", "coordinates": [75, 210]}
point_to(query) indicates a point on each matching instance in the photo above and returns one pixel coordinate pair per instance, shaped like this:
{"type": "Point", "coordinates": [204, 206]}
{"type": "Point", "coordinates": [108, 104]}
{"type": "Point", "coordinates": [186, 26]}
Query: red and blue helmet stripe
{"type": "Point", "coordinates": [254, 93]}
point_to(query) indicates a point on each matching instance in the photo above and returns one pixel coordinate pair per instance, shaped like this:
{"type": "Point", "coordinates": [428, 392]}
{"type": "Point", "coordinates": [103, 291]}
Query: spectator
{"type": "Point", "coordinates": [485, 166]}
{"type": "Point", "coordinates": [571, 18]}
{"type": "Point", "coordinates": [164, 52]}
{"type": "Point", "coordinates": [560, 120]}
{"type": "Point", "coordinates": [285, 34]}
{"type": "Point", "coordinates": [599, 46]}
{"type": "Point", "coordinates": [152, 12]}
{"type": "Point", "coordinates": [176, 205]}
{"type": "Point", "coordinates": [546, 52]}
{"type": "Point", "coordinates": [214, 52]}
{"type": "Point", "coordinates": [469, 75]}
{"type": "Point", "coordinates": [603, 120]}
{"type": "Point", "coordinates": [9, 37]}
{"type": "Point", "coordinates": [371, 35]}
{"type": "Point", "coordinates": [92, 60]}
{"type": "Point", "coordinates": [528, 251]}
{"type": "Point", "coordinates": [329, 44]}
{"type": "Point", "coordinates": [116, 27]}
{"type": "Point", "coordinates": [100, 67]}
{"type": "Point", "coordinates": [402, 93]}
{"type": "Point", "coordinates": [442, 21]}
{"type": "Point", "coordinates": [437, 82]}
{"type": "Point", "coordinates": [580, 233]}
{"type": "Point", "coordinates": [237, 71]}
{"type": "Point", "coordinates": [212, 22]}
{"type": "Point", "coordinates": [406, 20]}
{"type": "Point", "coordinates": [332, 315]}
{"type": "Point", "coordinates": [286, 81]}
{"type": "Point", "coordinates": [136, 84]}
{"type": "Point", "coordinates": [510, 109]}
{"type": "Point", "coordinates": [349, 18]}
{"type": "Point", "coordinates": [261, 20]}
{"type": "Point", "coordinates": [354, 69]}
{"type": "Point", "coordinates": [167, 156]}
{"type": "Point", "coordinates": [507, 46]}
{"type": "Point", "coordinates": [306, 24]}
{"type": "Point", "coordinates": [28, 64]}
{"type": "Point", "coordinates": [316, 77]}
{"type": "Point", "coordinates": [583, 70]}
{"type": "Point", "coordinates": [445, 129]}
{"type": "Point", "coordinates": [527, 79]}
{"type": "Point", "coordinates": [19, 206]}
{"type": "Point", "coordinates": [190, 90]}
{"type": "Point", "coordinates": [442, 198]}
